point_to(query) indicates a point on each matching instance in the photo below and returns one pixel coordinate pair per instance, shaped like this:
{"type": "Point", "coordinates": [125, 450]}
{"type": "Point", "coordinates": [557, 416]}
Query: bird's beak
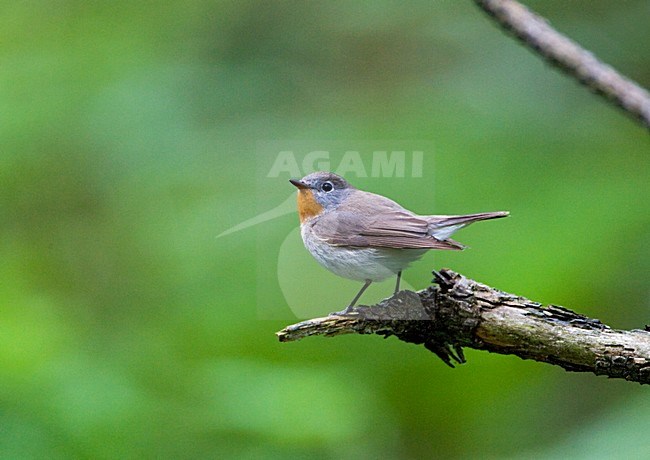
{"type": "Point", "coordinates": [298, 184]}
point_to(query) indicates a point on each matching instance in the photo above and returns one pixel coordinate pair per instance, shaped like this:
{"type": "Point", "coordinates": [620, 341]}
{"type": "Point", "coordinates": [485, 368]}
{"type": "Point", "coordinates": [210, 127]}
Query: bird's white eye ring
{"type": "Point", "coordinates": [327, 187]}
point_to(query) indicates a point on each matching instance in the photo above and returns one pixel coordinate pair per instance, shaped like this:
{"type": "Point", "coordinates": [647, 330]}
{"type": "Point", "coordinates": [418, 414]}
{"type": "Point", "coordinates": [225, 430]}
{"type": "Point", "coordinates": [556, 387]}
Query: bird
{"type": "Point", "coordinates": [368, 237]}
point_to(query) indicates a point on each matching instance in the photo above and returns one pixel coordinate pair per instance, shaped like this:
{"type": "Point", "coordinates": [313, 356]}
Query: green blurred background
{"type": "Point", "coordinates": [129, 134]}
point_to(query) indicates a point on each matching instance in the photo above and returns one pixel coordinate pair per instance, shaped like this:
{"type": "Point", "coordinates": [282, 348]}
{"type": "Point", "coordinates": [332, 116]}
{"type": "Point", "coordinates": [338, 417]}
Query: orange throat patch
{"type": "Point", "coordinates": [308, 207]}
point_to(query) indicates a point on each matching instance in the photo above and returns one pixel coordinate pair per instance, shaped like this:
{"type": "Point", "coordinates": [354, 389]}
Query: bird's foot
{"type": "Point", "coordinates": [347, 310]}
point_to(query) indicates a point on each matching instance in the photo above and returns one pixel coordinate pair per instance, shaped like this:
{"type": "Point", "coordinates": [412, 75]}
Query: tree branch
{"type": "Point", "coordinates": [460, 312]}
{"type": "Point", "coordinates": [535, 32]}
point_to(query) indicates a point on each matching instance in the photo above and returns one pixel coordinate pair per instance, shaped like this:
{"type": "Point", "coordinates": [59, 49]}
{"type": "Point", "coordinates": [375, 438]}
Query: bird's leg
{"type": "Point", "coordinates": [399, 275]}
{"type": "Point", "coordinates": [348, 309]}
{"type": "Point", "coordinates": [361, 291]}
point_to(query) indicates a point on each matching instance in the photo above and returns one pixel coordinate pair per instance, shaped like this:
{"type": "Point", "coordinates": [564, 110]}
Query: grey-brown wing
{"type": "Point", "coordinates": [375, 221]}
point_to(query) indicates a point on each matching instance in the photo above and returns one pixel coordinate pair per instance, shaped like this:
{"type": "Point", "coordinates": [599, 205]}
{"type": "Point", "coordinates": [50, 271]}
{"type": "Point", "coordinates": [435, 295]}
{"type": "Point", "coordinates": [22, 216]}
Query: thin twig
{"type": "Point", "coordinates": [535, 32]}
{"type": "Point", "coordinates": [460, 312]}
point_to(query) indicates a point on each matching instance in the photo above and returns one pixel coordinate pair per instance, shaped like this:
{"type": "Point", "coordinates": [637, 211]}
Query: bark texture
{"type": "Point", "coordinates": [460, 312]}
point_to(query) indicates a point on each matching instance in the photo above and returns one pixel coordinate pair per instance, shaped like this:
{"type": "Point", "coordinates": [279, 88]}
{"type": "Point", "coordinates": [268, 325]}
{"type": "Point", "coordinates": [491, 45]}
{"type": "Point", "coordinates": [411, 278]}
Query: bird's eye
{"type": "Point", "coordinates": [327, 187]}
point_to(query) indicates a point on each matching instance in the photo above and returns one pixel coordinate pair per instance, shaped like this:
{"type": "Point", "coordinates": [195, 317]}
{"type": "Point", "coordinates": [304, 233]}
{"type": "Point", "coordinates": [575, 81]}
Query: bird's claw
{"type": "Point", "coordinates": [345, 311]}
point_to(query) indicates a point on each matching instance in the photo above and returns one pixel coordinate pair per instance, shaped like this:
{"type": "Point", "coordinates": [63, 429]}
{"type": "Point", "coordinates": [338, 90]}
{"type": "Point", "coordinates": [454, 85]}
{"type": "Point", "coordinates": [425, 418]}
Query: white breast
{"type": "Point", "coordinates": [375, 264]}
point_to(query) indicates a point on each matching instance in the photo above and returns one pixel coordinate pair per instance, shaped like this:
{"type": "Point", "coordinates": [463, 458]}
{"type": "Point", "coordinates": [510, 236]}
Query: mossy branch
{"type": "Point", "coordinates": [460, 312]}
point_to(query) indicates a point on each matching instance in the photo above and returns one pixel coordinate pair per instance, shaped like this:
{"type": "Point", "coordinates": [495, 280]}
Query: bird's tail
{"type": "Point", "coordinates": [445, 221]}
{"type": "Point", "coordinates": [442, 227]}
